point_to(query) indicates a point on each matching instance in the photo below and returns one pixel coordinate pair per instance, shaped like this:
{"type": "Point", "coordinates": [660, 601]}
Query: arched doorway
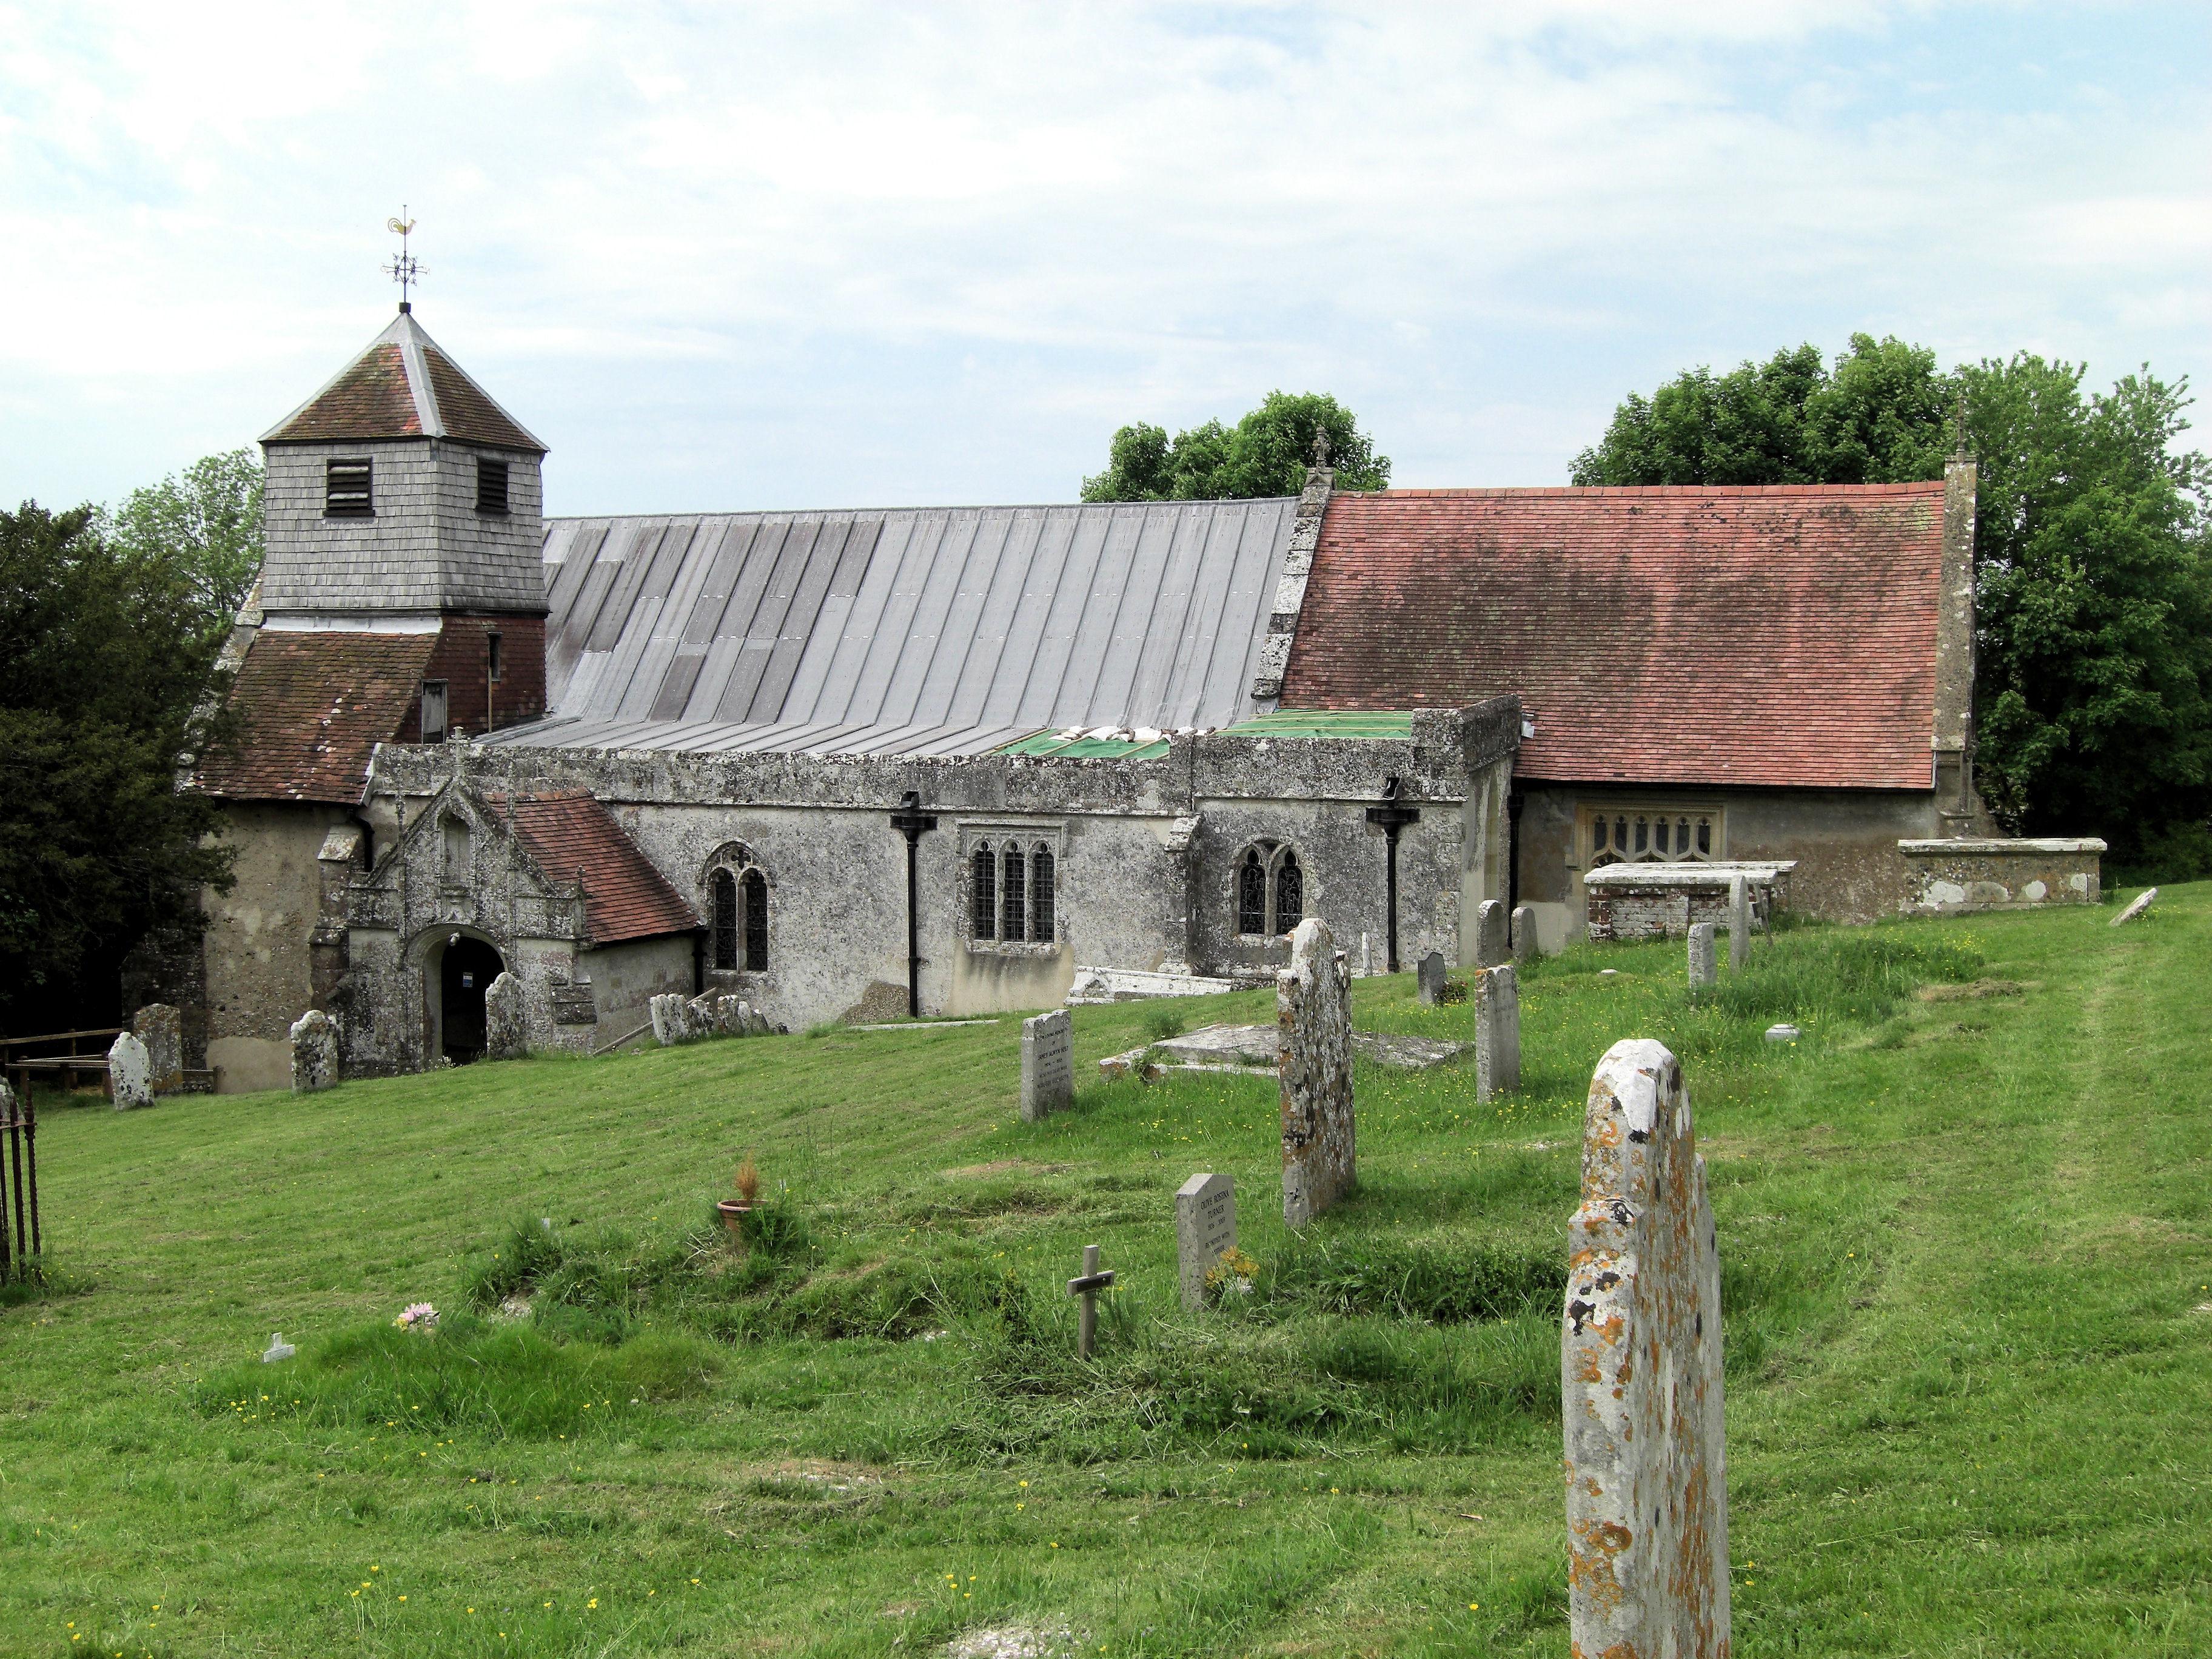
{"type": "Point", "coordinates": [465, 969]}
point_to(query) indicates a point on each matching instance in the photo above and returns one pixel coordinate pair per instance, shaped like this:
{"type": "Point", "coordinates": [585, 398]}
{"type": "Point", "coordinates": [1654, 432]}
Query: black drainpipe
{"type": "Point", "coordinates": [914, 824]}
{"type": "Point", "coordinates": [1515, 800]}
{"type": "Point", "coordinates": [1393, 818]}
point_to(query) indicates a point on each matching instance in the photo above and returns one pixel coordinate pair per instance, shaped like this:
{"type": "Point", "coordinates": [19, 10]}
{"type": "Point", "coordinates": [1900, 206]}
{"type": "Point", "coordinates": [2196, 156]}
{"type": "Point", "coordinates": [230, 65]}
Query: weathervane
{"type": "Point", "coordinates": [403, 270]}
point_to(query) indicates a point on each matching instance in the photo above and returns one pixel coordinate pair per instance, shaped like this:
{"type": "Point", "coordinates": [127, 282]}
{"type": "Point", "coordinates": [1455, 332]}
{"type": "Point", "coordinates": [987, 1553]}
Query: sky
{"type": "Point", "coordinates": [722, 256]}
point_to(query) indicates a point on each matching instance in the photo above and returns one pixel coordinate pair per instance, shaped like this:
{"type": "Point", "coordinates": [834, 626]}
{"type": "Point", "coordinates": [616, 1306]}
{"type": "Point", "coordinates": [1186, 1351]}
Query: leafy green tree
{"type": "Point", "coordinates": [1265, 454]}
{"type": "Point", "coordinates": [2094, 677]}
{"type": "Point", "coordinates": [104, 672]}
{"type": "Point", "coordinates": [2095, 681]}
{"type": "Point", "coordinates": [1883, 416]}
{"type": "Point", "coordinates": [207, 520]}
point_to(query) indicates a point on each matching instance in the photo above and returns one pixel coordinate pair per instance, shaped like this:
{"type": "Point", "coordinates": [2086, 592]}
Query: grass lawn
{"type": "Point", "coordinates": [1966, 1240]}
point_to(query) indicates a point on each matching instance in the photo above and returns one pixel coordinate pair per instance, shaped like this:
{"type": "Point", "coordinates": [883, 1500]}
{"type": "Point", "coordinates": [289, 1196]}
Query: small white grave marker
{"type": "Point", "coordinates": [1206, 1225]}
{"type": "Point", "coordinates": [1047, 1065]}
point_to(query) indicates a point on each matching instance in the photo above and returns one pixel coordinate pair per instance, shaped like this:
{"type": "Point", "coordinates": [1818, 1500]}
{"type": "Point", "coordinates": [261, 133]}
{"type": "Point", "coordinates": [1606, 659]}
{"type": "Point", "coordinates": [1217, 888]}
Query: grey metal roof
{"type": "Point", "coordinates": [927, 630]}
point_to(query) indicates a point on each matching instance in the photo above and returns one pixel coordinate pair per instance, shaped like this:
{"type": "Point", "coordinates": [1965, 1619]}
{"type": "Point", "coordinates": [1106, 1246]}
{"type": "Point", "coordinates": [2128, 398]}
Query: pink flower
{"type": "Point", "coordinates": [416, 1316]}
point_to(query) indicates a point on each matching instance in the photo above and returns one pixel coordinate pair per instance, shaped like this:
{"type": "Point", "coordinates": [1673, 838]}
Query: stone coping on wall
{"type": "Point", "coordinates": [1998, 846]}
{"type": "Point", "coordinates": [1756, 872]}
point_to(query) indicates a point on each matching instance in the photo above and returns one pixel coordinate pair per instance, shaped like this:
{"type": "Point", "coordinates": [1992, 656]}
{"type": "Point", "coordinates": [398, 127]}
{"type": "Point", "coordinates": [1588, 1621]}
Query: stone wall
{"type": "Point", "coordinates": [259, 942]}
{"type": "Point", "coordinates": [1948, 877]}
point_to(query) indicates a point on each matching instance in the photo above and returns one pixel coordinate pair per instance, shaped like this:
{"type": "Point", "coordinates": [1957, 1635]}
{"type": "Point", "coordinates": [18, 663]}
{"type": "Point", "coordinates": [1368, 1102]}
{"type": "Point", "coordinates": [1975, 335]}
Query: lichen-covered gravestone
{"type": "Point", "coordinates": [1646, 1464]}
{"type": "Point", "coordinates": [1524, 934]}
{"type": "Point", "coordinates": [1497, 1031]}
{"type": "Point", "coordinates": [2141, 903]}
{"type": "Point", "coordinates": [1492, 946]}
{"type": "Point", "coordinates": [1047, 1065]}
{"type": "Point", "coordinates": [1430, 974]}
{"type": "Point", "coordinates": [315, 1053]}
{"type": "Point", "coordinates": [1313, 1006]}
{"type": "Point", "coordinates": [506, 1027]}
{"type": "Point", "coordinates": [1206, 1225]}
{"type": "Point", "coordinates": [1739, 923]}
{"type": "Point", "coordinates": [130, 1073]}
{"type": "Point", "coordinates": [161, 1028]}
{"type": "Point", "coordinates": [1704, 956]}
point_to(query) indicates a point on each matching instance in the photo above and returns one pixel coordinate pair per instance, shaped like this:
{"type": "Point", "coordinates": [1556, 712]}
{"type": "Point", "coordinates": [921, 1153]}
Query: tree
{"type": "Point", "coordinates": [1265, 454]}
{"type": "Point", "coordinates": [105, 674]}
{"type": "Point", "coordinates": [206, 521]}
{"type": "Point", "coordinates": [2093, 692]}
{"type": "Point", "coordinates": [1883, 416]}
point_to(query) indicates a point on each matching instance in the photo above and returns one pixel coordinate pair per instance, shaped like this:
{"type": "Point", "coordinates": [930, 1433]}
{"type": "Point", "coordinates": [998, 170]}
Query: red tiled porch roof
{"type": "Point", "coordinates": [624, 896]}
{"type": "Point", "coordinates": [1776, 635]}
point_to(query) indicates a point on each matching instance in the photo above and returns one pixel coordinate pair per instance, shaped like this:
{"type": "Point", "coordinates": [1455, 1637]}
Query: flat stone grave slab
{"type": "Point", "coordinates": [1253, 1046]}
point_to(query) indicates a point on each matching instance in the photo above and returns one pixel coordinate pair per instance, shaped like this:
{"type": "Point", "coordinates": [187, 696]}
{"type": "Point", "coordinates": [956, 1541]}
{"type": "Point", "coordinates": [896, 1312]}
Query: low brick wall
{"type": "Point", "coordinates": [1661, 900]}
{"type": "Point", "coordinates": [1951, 876]}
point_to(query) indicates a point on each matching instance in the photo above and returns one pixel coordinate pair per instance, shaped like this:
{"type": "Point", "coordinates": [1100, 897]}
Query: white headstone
{"type": "Point", "coordinates": [1640, 1353]}
{"type": "Point", "coordinates": [130, 1073]}
{"type": "Point", "coordinates": [1524, 935]}
{"type": "Point", "coordinates": [1047, 1065]}
{"type": "Point", "coordinates": [1497, 1031]}
{"type": "Point", "coordinates": [315, 1053]}
{"type": "Point", "coordinates": [1705, 956]}
{"type": "Point", "coordinates": [2136, 906]}
{"type": "Point", "coordinates": [278, 1349]}
{"type": "Point", "coordinates": [1492, 946]}
{"type": "Point", "coordinates": [1313, 1006]}
{"type": "Point", "coordinates": [161, 1028]}
{"type": "Point", "coordinates": [507, 1025]}
{"type": "Point", "coordinates": [1206, 1225]}
{"type": "Point", "coordinates": [1739, 923]}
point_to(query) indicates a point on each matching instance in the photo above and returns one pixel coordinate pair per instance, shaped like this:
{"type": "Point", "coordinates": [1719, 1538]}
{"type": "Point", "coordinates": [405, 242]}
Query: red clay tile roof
{"type": "Point", "coordinates": [311, 707]}
{"type": "Point", "coordinates": [403, 386]}
{"type": "Point", "coordinates": [624, 896]}
{"type": "Point", "coordinates": [1780, 636]}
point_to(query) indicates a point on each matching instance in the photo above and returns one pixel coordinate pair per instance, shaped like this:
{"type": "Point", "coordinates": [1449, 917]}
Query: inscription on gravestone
{"type": "Point", "coordinates": [1206, 1225]}
{"type": "Point", "coordinates": [1312, 1006]}
{"type": "Point", "coordinates": [1640, 1369]}
{"type": "Point", "coordinates": [1047, 1065]}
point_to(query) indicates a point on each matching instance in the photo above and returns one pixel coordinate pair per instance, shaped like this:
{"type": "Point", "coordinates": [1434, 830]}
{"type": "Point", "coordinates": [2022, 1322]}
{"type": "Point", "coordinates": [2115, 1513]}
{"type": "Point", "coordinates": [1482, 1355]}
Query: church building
{"type": "Point", "coordinates": [855, 764]}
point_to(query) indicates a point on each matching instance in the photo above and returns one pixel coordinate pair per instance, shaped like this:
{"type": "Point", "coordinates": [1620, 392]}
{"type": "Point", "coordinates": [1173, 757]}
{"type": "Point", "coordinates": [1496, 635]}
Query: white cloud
{"type": "Point", "coordinates": [831, 254]}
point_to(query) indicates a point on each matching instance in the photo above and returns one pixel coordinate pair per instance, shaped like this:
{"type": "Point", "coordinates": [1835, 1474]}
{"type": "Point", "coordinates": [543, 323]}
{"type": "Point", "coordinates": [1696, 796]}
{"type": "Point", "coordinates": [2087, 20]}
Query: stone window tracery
{"type": "Point", "coordinates": [1013, 893]}
{"type": "Point", "coordinates": [983, 893]}
{"type": "Point", "coordinates": [736, 911]}
{"type": "Point", "coordinates": [1650, 835]}
{"type": "Point", "coordinates": [1012, 887]}
{"type": "Point", "coordinates": [1041, 894]}
{"type": "Point", "coordinates": [1270, 889]}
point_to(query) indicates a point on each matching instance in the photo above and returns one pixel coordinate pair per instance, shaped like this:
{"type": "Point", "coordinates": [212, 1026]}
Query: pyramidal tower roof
{"type": "Point", "coordinates": [404, 386]}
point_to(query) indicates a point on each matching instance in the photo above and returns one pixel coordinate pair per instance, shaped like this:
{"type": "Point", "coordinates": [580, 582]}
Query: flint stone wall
{"type": "Point", "coordinates": [1948, 877]}
{"type": "Point", "coordinates": [1640, 1372]}
{"type": "Point", "coordinates": [1312, 1006]}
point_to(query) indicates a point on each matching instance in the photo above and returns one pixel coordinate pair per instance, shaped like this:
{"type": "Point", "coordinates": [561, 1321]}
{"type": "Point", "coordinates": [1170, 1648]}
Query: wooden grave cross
{"type": "Point", "coordinates": [1087, 1287]}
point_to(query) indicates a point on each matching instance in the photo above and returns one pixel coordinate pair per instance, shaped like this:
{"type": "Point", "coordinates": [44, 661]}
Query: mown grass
{"type": "Point", "coordinates": [1965, 1243]}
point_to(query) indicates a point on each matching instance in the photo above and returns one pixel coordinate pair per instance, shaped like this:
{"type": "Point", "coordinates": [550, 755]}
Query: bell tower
{"type": "Point", "coordinates": [403, 499]}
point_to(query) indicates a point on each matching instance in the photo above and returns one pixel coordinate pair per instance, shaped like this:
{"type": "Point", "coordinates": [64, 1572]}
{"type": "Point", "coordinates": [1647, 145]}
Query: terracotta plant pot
{"type": "Point", "coordinates": [735, 1212]}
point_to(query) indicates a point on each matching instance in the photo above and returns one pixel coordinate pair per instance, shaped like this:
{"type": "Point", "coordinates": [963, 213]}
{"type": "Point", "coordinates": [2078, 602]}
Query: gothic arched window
{"type": "Point", "coordinates": [1041, 894]}
{"type": "Point", "coordinates": [1252, 894]}
{"type": "Point", "coordinates": [1271, 890]}
{"type": "Point", "coordinates": [722, 889]}
{"type": "Point", "coordinates": [1290, 892]}
{"type": "Point", "coordinates": [983, 894]}
{"type": "Point", "coordinates": [1013, 894]}
{"type": "Point", "coordinates": [755, 893]}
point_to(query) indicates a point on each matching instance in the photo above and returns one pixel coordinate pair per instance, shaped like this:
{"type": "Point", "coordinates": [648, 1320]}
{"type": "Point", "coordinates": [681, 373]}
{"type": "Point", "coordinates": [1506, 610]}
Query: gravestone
{"type": "Point", "coordinates": [2136, 906]}
{"type": "Point", "coordinates": [1429, 971]}
{"type": "Point", "coordinates": [1704, 956]}
{"type": "Point", "coordinates": [161, 1028]}
{"type": "Point", "coordinates": [1497, 1031]}
{"type": "Point", "coordinates": [1524, 934]}
{"type": "Point", "coordinates": [506, 1028]}
{"type": "Point", "coordinates": [1739, 923]}
{"type": "Point", "coordinates": [278, 1349]}
{"type": "Point", "coordinates": [1313, 1007]}
{"type": "Point", "coordinates": [1047, 1065]}
{"type": "Point", "coordinates": [1491, 947]}
{"type": "Point", "coordinates": [130, 1073]}
{"type": "Point", "coordinates": [1646, 1460]}
{"type": "Point", "coordinates": [1206, 1225]}
{"type": "Point", "coordinates": [315, 1053]}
